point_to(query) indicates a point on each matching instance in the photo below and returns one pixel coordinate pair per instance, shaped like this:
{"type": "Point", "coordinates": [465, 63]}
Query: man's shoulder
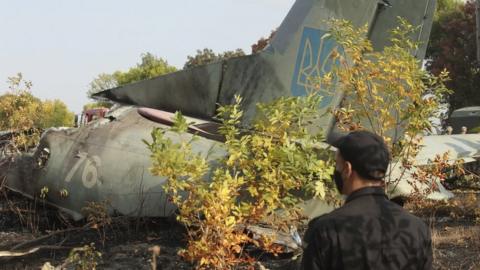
{"type": "Point", "coordinates": [338, 216]}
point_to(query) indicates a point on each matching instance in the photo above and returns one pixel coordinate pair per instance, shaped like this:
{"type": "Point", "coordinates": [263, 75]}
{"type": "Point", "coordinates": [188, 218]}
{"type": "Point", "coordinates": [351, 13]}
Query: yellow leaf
{"type": "Point", "coordinates": [230, 221]}
{"type": "Point", "coordinates": [320, 189]}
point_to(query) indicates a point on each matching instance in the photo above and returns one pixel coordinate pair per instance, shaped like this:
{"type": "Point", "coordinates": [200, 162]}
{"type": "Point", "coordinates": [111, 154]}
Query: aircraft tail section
{"type": "Point", "coordinates": [299, 52]}
{"type": "Point", "coordinates": [314, 14]}
{"type": "Point", "coordinates": [418, 13]}
{"type": "Point", "coordinates": [303, 50]}
{"type": "Point", "coordinates": [380, 15]}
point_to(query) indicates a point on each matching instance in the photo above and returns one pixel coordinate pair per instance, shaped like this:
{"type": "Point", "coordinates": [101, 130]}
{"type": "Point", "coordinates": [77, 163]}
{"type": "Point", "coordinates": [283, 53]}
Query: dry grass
{"type": "Point", "coordinates": [456, 247]}
{"type": "Point", "coordinates": [455, 235]}
{"type": "Point", "coordinates": [459, 235]}
{"type": "Point", "coordinates": [455, 228]}
{"type": "Point", "coordinates": [464, 206]}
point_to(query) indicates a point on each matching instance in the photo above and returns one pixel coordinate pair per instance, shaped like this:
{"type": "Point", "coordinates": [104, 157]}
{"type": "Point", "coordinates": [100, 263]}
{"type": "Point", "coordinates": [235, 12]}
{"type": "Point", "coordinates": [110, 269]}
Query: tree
{"type": "Point", "coordinates": [453, 47]}
{"type": "Point", "coordinates": [19, 109]}
{"type": "Point", "coordinates": [98, 104]}
{"type": "Point", "coordinates": [388, 93]}
{"type": "Point", "coordinates": [56, 114]}
{"type": "Point", "coordinates": [446, 6]}
{"type": "Point", "coordinates": [207, 56]}
{"type": "Point", "coordinates": [477, 27]}
{"type": "Point", "coordinates": [262, 43]}
{"type": "Point", "coordinates": [27, 115]}
{"type": "Point", "coordinates": [150, 66]}
{"type": "Point", "coordinates": [102, 82]}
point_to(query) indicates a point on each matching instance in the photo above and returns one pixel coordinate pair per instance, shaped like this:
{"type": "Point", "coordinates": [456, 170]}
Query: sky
{"type": "Point", "coordinates": [61, 46]}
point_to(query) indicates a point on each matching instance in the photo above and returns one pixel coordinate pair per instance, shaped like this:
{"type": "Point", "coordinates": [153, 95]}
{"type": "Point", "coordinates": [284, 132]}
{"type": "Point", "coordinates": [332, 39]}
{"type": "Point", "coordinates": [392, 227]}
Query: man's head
{"type": "Point", "coordinates": [362, 160]}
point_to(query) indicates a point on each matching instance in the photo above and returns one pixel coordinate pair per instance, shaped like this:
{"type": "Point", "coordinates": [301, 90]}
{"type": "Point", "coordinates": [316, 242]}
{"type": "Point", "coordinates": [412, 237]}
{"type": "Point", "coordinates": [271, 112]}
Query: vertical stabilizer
{"type": "Point", "coordinates": [299, 52]}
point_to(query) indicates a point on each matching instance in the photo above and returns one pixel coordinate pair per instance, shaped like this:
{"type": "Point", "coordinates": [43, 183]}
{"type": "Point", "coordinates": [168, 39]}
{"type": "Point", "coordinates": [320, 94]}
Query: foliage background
{"type": "Point", "coordinates": [26, 116]}
{"type": "Point", "coordinates": [21, 110]}
{"type": "Point", "coordinates": [452, 47]}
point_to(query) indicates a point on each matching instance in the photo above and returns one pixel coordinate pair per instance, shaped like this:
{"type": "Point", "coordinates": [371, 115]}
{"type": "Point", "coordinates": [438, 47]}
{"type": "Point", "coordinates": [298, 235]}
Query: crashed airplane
{"type": "Point", "coordinates": [106, 160]}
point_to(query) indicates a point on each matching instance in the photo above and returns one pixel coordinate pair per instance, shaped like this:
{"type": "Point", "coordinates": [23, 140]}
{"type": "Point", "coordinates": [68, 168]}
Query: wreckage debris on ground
{"type": "Point", "coordinates": [128, 243]}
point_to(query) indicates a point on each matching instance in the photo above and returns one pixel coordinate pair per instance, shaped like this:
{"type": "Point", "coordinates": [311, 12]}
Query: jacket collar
{"type": "Point", "coordinates": [368, 191]}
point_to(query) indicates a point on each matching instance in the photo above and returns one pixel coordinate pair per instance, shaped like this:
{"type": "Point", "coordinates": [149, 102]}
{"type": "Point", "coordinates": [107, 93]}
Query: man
{"type": "Point", "coordinates": [368, 231]}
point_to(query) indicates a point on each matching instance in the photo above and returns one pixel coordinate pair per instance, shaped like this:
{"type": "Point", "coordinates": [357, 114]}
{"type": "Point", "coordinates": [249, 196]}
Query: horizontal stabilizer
{"type": "Point", "coordinates": [193, 91]}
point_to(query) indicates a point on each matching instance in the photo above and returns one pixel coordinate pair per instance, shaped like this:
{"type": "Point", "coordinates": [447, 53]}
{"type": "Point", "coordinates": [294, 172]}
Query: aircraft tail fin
{"type": "Point", "coordinates": [380, 15]}
{"type": "Point", "coordinates": [299, 51]}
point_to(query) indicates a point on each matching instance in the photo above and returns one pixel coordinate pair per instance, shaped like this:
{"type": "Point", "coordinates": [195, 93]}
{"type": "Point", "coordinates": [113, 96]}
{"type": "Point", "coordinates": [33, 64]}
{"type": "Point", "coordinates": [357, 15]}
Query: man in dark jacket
{"type": "Point", "coordinates": [368, 231]}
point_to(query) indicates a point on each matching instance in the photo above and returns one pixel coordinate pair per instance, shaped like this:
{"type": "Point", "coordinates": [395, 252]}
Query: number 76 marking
{"type": "Point", "coordinates": [90, 171]}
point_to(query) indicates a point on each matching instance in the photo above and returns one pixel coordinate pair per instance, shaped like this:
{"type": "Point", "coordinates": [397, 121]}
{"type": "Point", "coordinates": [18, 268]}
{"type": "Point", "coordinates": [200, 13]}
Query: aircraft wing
{"type": "Point", "coordinates": [460, 147]}
{"type": "Point", "coordinates": [465, 146]}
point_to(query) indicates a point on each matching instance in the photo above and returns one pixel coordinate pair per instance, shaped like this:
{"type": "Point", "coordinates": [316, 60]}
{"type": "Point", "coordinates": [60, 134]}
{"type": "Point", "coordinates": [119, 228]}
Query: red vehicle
{"type": "Point", "coordinates": [91, 114]}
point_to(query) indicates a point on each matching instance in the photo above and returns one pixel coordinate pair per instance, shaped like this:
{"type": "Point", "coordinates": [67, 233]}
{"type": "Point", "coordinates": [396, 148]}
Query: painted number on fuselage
{"type": "Point", "coordinates": [89, 172]}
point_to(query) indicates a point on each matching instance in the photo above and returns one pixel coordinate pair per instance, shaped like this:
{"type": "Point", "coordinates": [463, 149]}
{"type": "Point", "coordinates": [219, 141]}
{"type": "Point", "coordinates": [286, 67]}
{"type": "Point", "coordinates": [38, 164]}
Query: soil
{"type": "Point", "coordinates": [456, 245]}
{"type": "Point", "coordinates": [126, 243]}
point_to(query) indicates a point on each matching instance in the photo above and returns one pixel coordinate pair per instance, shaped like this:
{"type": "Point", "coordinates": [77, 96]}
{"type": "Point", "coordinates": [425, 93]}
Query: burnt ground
{"type": "Point", "coordinates": [456, 245]}
{"type": "Point", "coordinates": [455, 229]}
{"type": "Point", "coordinates": [123, 244]}
{"type": "Point", "coordinates": [127, 243]}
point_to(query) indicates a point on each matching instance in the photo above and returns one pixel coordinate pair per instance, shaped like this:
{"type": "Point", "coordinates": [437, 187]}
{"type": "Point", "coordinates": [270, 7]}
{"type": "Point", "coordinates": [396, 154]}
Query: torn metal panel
{"type": "Point", "coordinates": [254, 78]}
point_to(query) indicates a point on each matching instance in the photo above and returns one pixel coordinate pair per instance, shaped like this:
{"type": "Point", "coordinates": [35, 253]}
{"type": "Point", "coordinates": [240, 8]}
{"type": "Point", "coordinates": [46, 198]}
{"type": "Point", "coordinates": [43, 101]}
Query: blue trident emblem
{"type": "Point", "coordinates": [313, 61]}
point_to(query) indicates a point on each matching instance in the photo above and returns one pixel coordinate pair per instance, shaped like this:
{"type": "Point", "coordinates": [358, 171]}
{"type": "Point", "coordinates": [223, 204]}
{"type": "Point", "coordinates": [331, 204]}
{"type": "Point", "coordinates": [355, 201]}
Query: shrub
{"type": "Point", "coordinates": [263, 172]}
{"type": "Point", "coordinates": [388, 93]}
